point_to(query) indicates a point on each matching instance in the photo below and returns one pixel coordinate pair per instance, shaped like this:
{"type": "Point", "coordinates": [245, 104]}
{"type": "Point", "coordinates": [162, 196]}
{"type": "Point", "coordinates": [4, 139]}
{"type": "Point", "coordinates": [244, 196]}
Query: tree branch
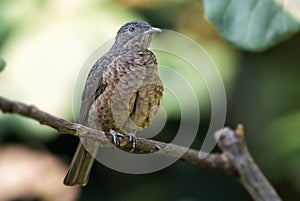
{"type": "Point", "coordinates": [234, 160]}
{"type": "Point", "coordinates": [233, 144]}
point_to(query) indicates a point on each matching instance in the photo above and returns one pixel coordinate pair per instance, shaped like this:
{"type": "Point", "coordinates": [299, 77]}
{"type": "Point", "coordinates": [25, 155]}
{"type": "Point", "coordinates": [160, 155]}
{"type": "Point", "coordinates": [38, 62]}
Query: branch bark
{"type": "Point", "coordinates": [234, 160]}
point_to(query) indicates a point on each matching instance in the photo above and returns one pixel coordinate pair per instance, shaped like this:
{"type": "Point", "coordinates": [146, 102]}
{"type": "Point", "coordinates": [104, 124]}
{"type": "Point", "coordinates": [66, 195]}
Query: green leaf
{"type": "Point", "coordinates": [2, 64]}
{"type": "Point", "coordinates": [254, 25]}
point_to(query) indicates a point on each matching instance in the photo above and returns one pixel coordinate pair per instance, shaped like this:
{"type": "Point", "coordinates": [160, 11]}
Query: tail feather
{"type": "Point", "coordinates": [80, 167]}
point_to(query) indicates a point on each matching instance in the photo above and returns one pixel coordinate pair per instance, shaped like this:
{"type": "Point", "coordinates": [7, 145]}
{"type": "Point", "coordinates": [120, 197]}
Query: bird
{"type": "Point", "coordinates": [121, 96]}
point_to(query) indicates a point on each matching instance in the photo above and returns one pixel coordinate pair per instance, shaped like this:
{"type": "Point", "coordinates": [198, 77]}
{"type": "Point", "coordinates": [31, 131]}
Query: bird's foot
{"type": "Point", "coordinates": [132, 139]}
{"type": "Point", "coordinates": [115, 136]}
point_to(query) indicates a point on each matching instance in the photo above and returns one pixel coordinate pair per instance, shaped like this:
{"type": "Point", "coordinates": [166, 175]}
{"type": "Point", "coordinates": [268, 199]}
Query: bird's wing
{"type": "Point", "coordinates": [93, 87]}
{"type": "Point", "coordinates": [146, 103]}
{"type": "Point", "coordinates": [83, 159]}
{"type": "Point", "coordinates": [149, 94]}
{"type": "Point", "coordinates": [145, 100]}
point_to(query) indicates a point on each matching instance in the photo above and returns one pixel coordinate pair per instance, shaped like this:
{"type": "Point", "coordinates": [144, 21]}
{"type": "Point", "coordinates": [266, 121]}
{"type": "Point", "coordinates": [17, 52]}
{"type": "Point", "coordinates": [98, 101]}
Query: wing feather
{"type": "Point", "coordinates": [94, 86]}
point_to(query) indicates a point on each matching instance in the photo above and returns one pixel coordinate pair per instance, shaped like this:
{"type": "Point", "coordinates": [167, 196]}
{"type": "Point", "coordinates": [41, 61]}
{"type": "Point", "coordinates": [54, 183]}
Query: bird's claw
{"type": "Point", "coordinates": [115, 136]}
{"type": "Point", "coordinates": [132, 139]}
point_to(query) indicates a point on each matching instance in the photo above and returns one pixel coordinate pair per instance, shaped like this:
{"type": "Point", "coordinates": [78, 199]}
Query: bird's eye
{"type": "Point", "coordinates": [131, 29]}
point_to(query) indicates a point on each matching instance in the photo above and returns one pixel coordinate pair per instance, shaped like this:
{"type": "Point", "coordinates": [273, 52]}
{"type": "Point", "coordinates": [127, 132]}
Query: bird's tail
{"type": "Point", "coordinates": [80, 167]}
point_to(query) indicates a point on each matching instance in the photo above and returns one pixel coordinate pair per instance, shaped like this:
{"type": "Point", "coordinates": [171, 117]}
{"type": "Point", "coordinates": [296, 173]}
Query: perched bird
{"type": "Point", "coordinates": [121, 96]}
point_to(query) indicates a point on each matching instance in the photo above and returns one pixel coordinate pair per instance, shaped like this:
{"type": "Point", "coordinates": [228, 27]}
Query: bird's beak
{"type": "Point", "coordinates": [153, 30]}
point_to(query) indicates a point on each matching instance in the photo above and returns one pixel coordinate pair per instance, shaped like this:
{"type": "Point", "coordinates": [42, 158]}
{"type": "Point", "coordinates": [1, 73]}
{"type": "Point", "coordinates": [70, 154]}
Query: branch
{"type": "Point", "coordinates": [235, 159]}
{"type": "Point", "coordinates": [233, 143]}
{"type": "Point", "coordinates": [213, 161]}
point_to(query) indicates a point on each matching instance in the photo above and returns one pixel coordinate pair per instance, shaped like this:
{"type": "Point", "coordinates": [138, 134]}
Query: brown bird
{"type": "Point", "coordinates": [121, 95]}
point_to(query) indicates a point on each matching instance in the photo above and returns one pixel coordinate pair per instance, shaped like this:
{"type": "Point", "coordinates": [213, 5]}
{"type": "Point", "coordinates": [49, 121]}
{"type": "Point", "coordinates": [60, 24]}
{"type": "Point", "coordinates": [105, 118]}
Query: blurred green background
{"type": "Point", "coordinates": [46, 42]}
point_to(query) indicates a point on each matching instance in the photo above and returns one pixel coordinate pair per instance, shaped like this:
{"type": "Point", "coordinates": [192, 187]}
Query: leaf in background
{"type": "Point", "coordinates": [2, 64]}
{"type": "Point", "coordinates": [254, 25]}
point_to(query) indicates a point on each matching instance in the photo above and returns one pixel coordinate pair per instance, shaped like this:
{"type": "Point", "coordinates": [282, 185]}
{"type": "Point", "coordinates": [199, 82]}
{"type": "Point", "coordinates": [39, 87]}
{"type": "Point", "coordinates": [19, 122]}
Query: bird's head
{"type": "Point", "coordinates": [135, 35]}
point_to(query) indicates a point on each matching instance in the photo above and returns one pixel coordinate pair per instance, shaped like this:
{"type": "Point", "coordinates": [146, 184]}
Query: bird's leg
{"type": "Point", "coordinates": [115, 136]}
{"type": "Point", "coordinates": [132, 139]}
